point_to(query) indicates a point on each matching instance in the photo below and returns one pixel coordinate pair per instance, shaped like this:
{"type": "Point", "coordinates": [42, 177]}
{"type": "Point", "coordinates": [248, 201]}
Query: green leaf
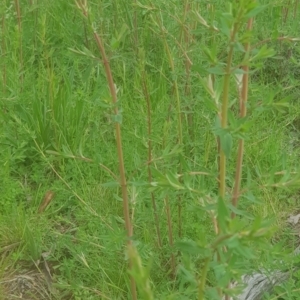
{"type": "Point", "coordinates": [117, 118]}
{"type": "Point", "coordinates": [85, 52]}
{"type": "Point", "coordinates": [191, 247]}
{"type": "Point", "coordinates": [282, 105]}
{"type": "Point", "coordinates": [200, 19]}
{"type": "Point", "coordinates": [160, 178]}
{"type": "Point", "coordinates": [138, 183]}
{"type": "Point", "coordinates": [157, 174]}
{"type": "Point", "coordinates": [111, 184]}
{"type": "Point", "coordinates": [199, 68]}
{"type": "Point", "coordinates": [240, 212]}
{"type": "Point", "coordinates": [263, 53]}
{"type": "Point", "coordinates": [223, 215]}
{"type": "Point", "coordinates": [255, 11]}
{"type": "Point", "coordinates": [226, 143]}
{"type": "Point", "coordinates": [183, 162]}
{"type": "Point", "coordinates": [239, 47]}
{"type": "Point", "coordinates": [217, 70]}
{"type": "Point", "coordinates": [210, 105]}
{"type": "Point", "coordinates": [171, 150]}
{"type": "Point", "coordinates": [118, 198]}
{"type": "Point", "coordinates": [210, 55]}
{"type": "Point", "coordinates": [212, 102]}
{"type": "Point", "coordinates": [114, 43]}
{"type": "Point", "coordinates": [226, 23]}
{"type": "Point", "coordinates": [173, 180]}
{"type": "Point", "coordinates": [233, 242]}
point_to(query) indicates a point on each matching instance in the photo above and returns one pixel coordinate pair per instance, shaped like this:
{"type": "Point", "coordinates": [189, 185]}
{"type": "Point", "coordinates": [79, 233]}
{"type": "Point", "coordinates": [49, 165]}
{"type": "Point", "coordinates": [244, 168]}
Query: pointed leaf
{"type": "Point", "coordinates": [173, 180]}
{"type": "Point", "coordinates": [226, 143]}
{"type": "Point", "coordinates": [223, 214]}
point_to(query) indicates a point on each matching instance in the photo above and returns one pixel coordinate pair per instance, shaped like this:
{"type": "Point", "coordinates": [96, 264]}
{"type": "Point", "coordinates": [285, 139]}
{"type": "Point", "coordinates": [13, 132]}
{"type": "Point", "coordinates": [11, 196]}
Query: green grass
{"type": "Point", "coordinates": [57, 133]}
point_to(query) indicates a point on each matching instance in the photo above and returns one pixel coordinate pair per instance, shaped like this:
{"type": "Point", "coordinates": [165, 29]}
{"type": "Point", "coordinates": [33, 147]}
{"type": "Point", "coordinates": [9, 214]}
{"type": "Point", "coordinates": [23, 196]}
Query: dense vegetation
{"type": "Point", "coordinates": [195, 85]}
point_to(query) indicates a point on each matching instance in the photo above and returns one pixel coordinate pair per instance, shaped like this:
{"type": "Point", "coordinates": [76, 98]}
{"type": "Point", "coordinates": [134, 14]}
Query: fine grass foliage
{"type": "Point", "coordinates": [167, 135]}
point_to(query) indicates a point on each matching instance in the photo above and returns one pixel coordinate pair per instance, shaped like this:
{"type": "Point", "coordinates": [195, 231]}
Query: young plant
{"type": "Point", "coordinates": [83, 6]}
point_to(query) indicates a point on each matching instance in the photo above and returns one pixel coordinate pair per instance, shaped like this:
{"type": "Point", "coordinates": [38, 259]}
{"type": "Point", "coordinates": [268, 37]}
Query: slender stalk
{"type": "Point", "coordinates": [214, 247]}
{"type": "Point", "coordinates": [178, 108]}
{"type": "Point", "coordinates": [169, 215]}
{"type": "Point", "coordinates": [84, 159]}
{"type": "Point", "coordinates": [176, 91]}
{"type": "Point", "coordinates": [115, 13]}
{"type": "Point", "coordinates": [123, 182]}
{"type": "Point", "coordinates": [4, 54]}
{"type": "Point", "coordinates": [224, 110]}
{"type": "Point", "coordinates": [243, 113]}
{"type": "Point", "coordinates": [170, 235]}
{"type": "Point", "coordinates": [135, 27]}
{"type": "Point", "coordinates": [147, 96]}
{"type": "Point", "coordinates": [35, 18]}
{"type": "Point", "coordinates": [18, 10]}
{"type": "Point", "coordinates": [296, 8]}
{"type": "Point", "coordinates": [201, 287]}
{"type": "Point", "coordinates": [285, 12]}
{"type": "Point", "coordinates": [224, 122]}
{"type": "Point", "coordinates": [85, 34]}
{"type": "Point", "coordinates": [187, 63]}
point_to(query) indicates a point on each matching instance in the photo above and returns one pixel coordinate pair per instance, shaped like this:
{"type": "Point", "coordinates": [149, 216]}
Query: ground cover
{"type": "Point", "coordinates": [62, 225]}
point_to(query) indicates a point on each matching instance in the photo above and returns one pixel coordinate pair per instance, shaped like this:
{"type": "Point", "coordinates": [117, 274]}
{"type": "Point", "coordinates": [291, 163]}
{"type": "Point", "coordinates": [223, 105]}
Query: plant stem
{"type": "Point", "coordinates": [224, 116]}
{"type": "Point", "coordinates": [18, 10]}
{"type": "Point", "coordinates": [128, 226]}
{"type": "Point", "coordinates": [178, 108]}
{"type": "Point", "coordinates": [135, 28]}
{"type": "Point", "coordinates": [202, 280]}
{"type": "Point", "coordinates": [224, 111]}
{"type": "Point", "coordinates": [170, 235]}
{"type": "Point", "coordinates": [285, 11]}
{"type": "Point", "coordinates": [187, 86]}
{"type": "Point", "coordinates": [147, 96]}
{"type": "Point", "coordinates": [4, 55]}
{"type": "Point", "coordinates": [243, 113]}
{"type": "Point", "coordinates": [123, 182]}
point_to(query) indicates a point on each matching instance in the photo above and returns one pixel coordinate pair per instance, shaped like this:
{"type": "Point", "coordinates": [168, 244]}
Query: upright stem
{"type": "Point", "coordinates": [224, 116]}
{"type": "Point", "coordinates": [169, 217]}
{"type": "Point", "coordinates": [128, 226]}
{"type": "Point", "coordinates": [170, 235]}
{"type": "Point", "coordinates": [4, 55]}
{"type": "Point", "coordinates": [187, 86]}
{"type": "Point", "coordinates": [147, 96]}
{"type": "Point", "coordinates": [243, 113]}
{"type": "Point", "coordinates": [201, 286]}
{"type": "Point", "coordinates": [179, 121]}
{"type": "Point", "coordinates": [135, 25]}
{"type": "Point", "coordinates": [296, 8]}
{"type": "Point", "coordinates": [224, 111]}
{"type": "Point", "coordinates": [18, 10]}
{"type": "Point", "coordinates": [123, 182]}
{"type": "Point", "coordinates": [177, 96]}
{"type": "Point", "coordinates": [285, 12]}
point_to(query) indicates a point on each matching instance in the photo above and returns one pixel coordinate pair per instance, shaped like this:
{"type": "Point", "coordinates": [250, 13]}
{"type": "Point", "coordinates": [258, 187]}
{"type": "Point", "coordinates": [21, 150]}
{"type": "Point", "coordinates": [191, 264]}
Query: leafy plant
{"type": "Point", "coordinates": [205, 95]}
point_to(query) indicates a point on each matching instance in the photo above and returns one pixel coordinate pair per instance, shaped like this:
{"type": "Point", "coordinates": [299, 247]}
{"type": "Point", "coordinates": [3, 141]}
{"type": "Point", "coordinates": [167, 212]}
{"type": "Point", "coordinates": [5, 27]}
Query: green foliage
{"type": "Point", "coordinates": [57, 133]}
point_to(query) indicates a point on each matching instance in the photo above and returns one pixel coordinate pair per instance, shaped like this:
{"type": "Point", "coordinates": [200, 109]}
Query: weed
{"type": "Point", "coordinates": [169, 127]}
